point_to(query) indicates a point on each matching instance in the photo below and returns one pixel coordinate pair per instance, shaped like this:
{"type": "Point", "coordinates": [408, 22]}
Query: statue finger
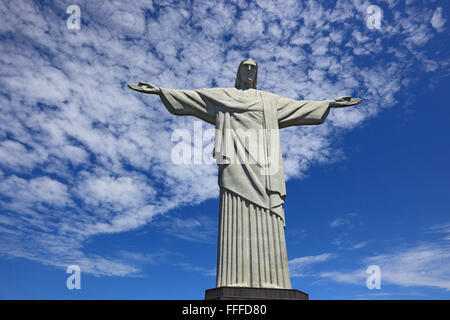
{"type": "Point", "coordinates": [344, 98]}
{"type": "Point", "coordinates": [135, 87]}
{"type": "Point", "coordinates": [146, 84]}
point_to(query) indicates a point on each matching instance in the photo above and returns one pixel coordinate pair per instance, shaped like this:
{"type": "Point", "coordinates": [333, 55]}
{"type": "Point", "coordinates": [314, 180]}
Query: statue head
{"type": "Point", "coordinates": [247, 74]}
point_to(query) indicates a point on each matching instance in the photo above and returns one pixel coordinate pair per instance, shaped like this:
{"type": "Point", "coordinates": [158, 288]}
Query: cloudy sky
{"type": "Point", "coordinates": [86, 172]}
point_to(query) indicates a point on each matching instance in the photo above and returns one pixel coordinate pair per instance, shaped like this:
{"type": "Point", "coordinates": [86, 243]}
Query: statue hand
{"type": "Point", "coordinates": [145, 87]}
{"type": "Point", "coordinates": [345, 101]}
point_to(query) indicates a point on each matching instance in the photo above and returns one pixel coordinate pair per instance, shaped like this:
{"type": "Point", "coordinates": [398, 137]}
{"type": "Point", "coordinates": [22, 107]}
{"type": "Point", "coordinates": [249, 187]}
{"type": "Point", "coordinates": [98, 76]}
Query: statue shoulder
{"type": "Point", "coordinates": [216, 89]}
{"type": "Point", "coordinates": [269, 95]}
{"type": "Point", "coordinates": [216, 93]}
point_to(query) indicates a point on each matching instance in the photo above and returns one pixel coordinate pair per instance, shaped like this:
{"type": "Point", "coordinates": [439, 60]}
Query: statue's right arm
{"type": "Point", "coordinates": [180, 102]}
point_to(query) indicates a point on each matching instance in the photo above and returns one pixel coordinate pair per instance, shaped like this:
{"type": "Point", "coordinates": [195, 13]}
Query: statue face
{"type": "Point", "coordinates": [248, 73]}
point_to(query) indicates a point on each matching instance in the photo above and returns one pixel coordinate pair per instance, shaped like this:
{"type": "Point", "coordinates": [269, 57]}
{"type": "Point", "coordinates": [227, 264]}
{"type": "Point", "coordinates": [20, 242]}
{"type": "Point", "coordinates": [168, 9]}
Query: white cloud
{"type": "Point", "coordinates": [198, 229]}
{"type": "Point", "coordinates": [14, 154]}
{"type": "Point", "coordinates": [146, 258]}
{"type": "Point", "coordinates": [36, 190]}
{"type": "Point", "coordinates": [338, 222]}
{"type": "Point", "coordinates": [423, 265]}
{"type": "Point", "coordinates": [121, 193]}
{"type": "Point", "coordinates": [347, 220]}
{"type": "Point", "coordinates": [355, 277]}
{"type": "Point", "coordinates": [301, 267]}
{"type": "Point", "coordinates": [360, 245]}
{"type": "Point", "coordinates": [75, 155]}
{"type": "Point", "coordinates": [190, 267]}
{"type": "Point", "coordinates": [344, 226]}
{"type": "Point", "coordinates": [438, 20]}
{"type": "Point", "coordinates": [443, 228]}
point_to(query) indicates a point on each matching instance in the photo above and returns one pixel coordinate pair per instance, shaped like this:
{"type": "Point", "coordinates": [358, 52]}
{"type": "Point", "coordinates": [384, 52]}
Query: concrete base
{"type": "Point", "coordinates": [247, 293]}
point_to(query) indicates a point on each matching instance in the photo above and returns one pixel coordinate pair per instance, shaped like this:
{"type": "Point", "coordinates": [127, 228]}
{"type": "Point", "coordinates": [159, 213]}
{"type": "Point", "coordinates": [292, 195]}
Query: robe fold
{"type": "Point", "coordinates": [247, 151]}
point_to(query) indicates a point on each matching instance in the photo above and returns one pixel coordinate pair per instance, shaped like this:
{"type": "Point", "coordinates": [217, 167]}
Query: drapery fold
{"type": "Point", "coordinates": [251, 249]}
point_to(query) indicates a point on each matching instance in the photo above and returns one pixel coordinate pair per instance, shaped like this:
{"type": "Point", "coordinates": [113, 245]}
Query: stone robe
{"type": "Point", "coordinates": [251, 244]}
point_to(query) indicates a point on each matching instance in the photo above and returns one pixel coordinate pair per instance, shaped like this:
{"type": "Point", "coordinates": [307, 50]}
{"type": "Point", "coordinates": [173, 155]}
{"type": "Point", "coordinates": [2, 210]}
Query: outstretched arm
{"type": "Point", "coordinates": [180, 102]}
{"type": "Point", "coordinates": [307, 112]}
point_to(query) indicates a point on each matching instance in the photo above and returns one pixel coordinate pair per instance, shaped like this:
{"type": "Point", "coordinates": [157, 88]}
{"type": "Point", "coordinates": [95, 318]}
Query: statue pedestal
{"type": "Point", "coordinates": [248, 293]}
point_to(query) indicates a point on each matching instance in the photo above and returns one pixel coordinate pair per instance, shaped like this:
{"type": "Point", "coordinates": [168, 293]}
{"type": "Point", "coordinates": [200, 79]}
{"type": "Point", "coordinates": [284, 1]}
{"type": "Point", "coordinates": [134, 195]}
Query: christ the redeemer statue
{"type": "Point", "coordinates": [251, 242]}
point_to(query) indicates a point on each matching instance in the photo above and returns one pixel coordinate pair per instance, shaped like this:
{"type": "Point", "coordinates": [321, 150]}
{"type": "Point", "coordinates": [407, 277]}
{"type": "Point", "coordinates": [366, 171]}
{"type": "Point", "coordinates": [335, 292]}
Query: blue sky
{"type": "Point", "coordinates": [86, 176]}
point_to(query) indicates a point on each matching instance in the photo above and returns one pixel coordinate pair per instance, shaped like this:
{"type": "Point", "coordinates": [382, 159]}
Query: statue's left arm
{"type": "Point", "coordinates": [307, 112]}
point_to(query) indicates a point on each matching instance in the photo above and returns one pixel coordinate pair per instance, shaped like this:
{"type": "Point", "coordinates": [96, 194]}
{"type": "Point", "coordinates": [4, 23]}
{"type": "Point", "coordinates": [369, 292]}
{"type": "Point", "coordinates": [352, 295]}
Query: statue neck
{"type": "Point", "coordinates": [246, 86]}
